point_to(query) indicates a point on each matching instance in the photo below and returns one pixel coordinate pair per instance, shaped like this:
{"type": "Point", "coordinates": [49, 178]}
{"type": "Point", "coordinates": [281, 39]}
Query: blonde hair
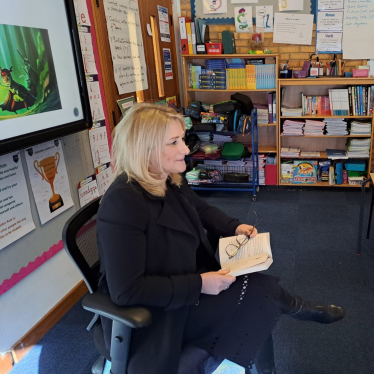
{"type": "Point", "coordinates": [137, 135]}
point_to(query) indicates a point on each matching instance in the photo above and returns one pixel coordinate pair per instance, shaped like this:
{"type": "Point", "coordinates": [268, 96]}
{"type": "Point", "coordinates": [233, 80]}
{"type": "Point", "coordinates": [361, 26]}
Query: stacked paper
{"type": "Point", "coordinates": [360, 128]}
{"type": "Point", "coordinates": [314, 127]}
{"type": "Point", "coordinates": [336, 126]}
{"type": "Point", "coordinates": [291, 112]}
{"type": "Point", "coordinates": [261, 167]}
{"type": "Point", "coordinates": [290, 152]}
{"type": "Point", "coordinates": [262, 114]}
{"type": "Point", "coordinates": [358, 148]}
{"type": "Point", "coordinates": [293, 127]}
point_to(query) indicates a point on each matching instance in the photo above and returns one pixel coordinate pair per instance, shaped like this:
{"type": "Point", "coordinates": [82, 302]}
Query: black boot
{"type": "Point", "coordinates": [301, 309]}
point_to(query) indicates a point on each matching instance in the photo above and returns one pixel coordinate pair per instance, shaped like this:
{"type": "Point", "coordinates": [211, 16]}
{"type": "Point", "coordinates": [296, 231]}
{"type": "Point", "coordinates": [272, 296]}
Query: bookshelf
{"type": "Point", "coordinates": [317, 87]}
{"type": "Point", "coordinates": [267, 133]}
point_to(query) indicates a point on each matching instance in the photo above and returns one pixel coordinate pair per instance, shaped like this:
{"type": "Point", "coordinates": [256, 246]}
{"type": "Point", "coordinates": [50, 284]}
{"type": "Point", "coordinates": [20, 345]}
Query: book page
{"type": "Point", "coordinates": [256, 254]}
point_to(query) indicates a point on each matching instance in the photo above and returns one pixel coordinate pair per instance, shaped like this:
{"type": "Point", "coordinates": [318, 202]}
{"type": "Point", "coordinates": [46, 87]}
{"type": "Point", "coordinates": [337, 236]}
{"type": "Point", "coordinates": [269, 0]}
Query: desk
{"type": "Point", "coordinates": [362, 206]}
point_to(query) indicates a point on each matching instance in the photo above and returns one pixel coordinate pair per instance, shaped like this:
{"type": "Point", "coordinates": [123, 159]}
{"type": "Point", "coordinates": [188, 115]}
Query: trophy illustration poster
{"type": "Point", "coordinates": [49, 179]}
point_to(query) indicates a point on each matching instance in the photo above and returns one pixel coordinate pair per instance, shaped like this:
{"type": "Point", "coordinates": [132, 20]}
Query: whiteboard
{"type": "Point", "coordinates": [358, 35]}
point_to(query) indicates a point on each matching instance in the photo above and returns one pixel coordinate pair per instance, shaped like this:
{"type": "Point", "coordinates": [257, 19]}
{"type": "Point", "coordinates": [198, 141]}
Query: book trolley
{"type": "Point", "coordinates": [252, 169]}
{"type": "Point", "coordinates": [263, 137]}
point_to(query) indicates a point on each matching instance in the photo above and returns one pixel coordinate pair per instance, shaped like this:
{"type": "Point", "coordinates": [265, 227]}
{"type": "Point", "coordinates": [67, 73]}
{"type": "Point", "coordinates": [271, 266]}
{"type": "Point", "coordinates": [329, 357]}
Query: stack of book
{"type": "Point", "coordinates": [293, 127]}
{"type": "Point", "coordinates": [261, 167]}
{"type": "Point", "coordinates": [290, 152]}
{"type": "Point", "coordinates": [358, 148]}
{"type": "Point", "coordinates": [314, 127]}
{"type": "Point", "coordinates": [212, 79]}
{"type": "Point", "coordinates": [336, 126]}
{"type": "Point", "coordinates": [215, 64]}
{"type": "Point", "coordinates": [360, 128]}
{"type": "Point", "coordinates": [262, 114]}
{"type": "Point", "coordinates": [291, 112]}
{"type": "Point", "coordinates": [336, 154]}
{"type": "Point", "coordinates": [287, 171]}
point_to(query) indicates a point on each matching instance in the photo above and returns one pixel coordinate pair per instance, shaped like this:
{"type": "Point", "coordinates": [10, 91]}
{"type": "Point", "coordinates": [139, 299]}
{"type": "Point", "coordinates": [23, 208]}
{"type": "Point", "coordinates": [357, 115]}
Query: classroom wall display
{"type": "Point", "coordinates": [41, 91]}
{"type": "Point", "coordinates": [290, 5]}
{"type": "Point", "coordinates": [100, 150]}
{"type": "Point", "coordinates": [214, 6]}
{"type": "Point", "coordinates": [49, 179]}
{"type": "Point", "coordinates": [329, 26]}
{"type": "Point", "coordinates": [293, 28]}
{"type": "Point", "coordinates": [15, 213]}
{"type": "Point", "coordinates": [87, 190]}
{"type": "Point", "coordinates": [358, 40]}
{"type": "Point", "coordinates": [264, 17]}
{"type": "Point", "coordinates": [126, 45]}
{"type": "Point", "coordinates": [244, 1]}
{"type": "Point", "coordinates": [243, 18]}
{"type": "Point", "coordinates": [197, 10]}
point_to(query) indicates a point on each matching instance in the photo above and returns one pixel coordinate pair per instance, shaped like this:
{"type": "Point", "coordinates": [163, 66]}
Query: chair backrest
{"type": "Point", "coordinates": [79, 239]}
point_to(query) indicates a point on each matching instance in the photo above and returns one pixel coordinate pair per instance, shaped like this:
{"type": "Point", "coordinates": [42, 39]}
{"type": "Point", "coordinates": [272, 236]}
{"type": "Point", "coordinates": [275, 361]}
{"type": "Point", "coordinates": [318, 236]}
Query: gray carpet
{"type": "Point", "coordinates": [313, 238]}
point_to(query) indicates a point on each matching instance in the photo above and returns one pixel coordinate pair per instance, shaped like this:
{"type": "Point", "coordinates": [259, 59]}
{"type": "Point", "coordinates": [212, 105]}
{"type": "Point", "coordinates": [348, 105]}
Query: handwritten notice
{"type": "Point", "coordinates": [358, 41]}
{"type": "Point", "coordinates": [104, 176]}
{"type": "Point", "coordinates": [126, 45]}
{"type": "Point", "coordinates": [96, 104]}
{"type": "Point", "coordinates": [15, 213]}
{"type": "Point", "coordinates": [87, 190]}
{"type": "Point", "coordinates": [99, 144]}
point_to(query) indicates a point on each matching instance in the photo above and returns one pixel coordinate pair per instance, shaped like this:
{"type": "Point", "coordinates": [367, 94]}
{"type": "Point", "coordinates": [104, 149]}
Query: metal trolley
{"type": "Point", "coordinates": [250, 168]}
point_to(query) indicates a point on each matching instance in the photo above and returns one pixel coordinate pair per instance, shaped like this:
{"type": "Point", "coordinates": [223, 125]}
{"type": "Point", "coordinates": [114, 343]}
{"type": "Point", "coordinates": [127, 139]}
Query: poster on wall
{"type": "Point", "coordinates": [81, 13]}
{"type": "Point", "coordinates": [244, 1]}
{"type": "Point", "coordinates": [332, 20]}
{"type": "Point", "coordinates": [126, 103]}
{"type": "Point", "coordinates": [264, 17]}
{"type": "Point", "coordinates": [99, 143]}
{"type": "Point", "coordinates": [293, 28]}
{"type": "Point", "coordinates": [215, 6]}
{"type": "Point", "coordinates": [96, 103]}
{"type": "Point", "coordinates": [167, 64]}
{"type": "Point", "coordinates": [290, 5]}
{"type": "Point", "coordinates": [87, 190]}
{"type": "Point", "coordinates": [49, 179]}
{"type": "Point", "coordinates": [104, 176]}
{"type": "Point", "coordinates": [15, 213]}
{"type": "Point", "coordinates": [243, 18]}
{"type": "Point", "coordinates": [330, 42]}
{"type": "Point", "coordinates": [126, 45]}
{"type": "Point", "coordinates": [163, 19]}
{"type": "Point", "coordinates": [330, 4]}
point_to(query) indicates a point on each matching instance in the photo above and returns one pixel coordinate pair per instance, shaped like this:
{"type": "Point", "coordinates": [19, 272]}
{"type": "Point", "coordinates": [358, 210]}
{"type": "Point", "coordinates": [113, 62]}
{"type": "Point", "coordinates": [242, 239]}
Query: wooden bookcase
{"type": "Point", "coordinates": [316, 87]}
{"type": "Point", "coordinates": [267, 134]}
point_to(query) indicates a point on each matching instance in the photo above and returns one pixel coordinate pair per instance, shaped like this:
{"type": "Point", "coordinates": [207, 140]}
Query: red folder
{"type": "Point", "coordinates": [183, 33]}
{"type": "Point", "coordinates": [271, 175]}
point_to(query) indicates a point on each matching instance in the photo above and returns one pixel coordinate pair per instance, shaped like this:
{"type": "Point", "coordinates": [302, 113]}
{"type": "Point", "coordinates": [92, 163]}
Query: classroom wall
{"type": "Point", "coordinates": [31, 299]}
{"type": "Point", "coordinates": [296, 54]}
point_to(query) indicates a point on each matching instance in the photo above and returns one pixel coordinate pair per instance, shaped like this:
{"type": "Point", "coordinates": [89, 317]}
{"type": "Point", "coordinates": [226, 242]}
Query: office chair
{"type": "Point", "coordinates": [79, 239]}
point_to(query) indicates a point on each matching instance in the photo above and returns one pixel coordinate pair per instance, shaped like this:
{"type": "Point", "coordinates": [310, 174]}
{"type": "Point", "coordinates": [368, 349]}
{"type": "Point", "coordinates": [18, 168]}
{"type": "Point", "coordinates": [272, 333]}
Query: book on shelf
{"type": "Point", "coordinates": [315, 105]}
{"type": "Point", "coordinates": [310, 154]}
{"type": "Point", "coordinates": [253, 256]}
{"type": "Point", "coordinates": [189, 37]}
{"type": "Point", "coordinates": [183, 34]}
{"type": "Point", "coordinates": [335, 154]}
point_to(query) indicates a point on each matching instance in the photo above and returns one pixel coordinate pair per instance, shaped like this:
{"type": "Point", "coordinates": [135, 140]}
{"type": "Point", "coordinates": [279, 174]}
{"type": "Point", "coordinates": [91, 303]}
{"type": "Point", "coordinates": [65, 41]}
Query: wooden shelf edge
{"type": "Point", "coordinates": [325, 136]}
{"type": "Point", "coordinates": [327, 116]}
{"type": "Point", "coordinates": [318, 184]}
{"type": "Point", "coordinates": [233, 90]}
{"type": "Point", "coordinates": [243, 55]}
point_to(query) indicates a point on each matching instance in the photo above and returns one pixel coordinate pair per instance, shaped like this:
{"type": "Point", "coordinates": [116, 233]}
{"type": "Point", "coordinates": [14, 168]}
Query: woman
{"type": "Point", "coordinates": [155, 253]}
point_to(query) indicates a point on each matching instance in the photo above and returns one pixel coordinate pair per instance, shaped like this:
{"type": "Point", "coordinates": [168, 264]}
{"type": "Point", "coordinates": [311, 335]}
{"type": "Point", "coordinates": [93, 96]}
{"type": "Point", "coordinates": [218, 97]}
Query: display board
{"type": "Point", "coordinates": [197, 10]}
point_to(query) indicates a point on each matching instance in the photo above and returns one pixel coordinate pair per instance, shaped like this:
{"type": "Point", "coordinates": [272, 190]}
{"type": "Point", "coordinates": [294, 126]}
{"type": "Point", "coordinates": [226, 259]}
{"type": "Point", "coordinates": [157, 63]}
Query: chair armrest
{"type": "Point", "coordinates": [134, 317]}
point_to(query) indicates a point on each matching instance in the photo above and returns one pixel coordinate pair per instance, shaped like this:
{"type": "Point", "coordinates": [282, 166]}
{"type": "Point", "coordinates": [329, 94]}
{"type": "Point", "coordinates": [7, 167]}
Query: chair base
{"type": "Point", "coordinates": [98, 366]}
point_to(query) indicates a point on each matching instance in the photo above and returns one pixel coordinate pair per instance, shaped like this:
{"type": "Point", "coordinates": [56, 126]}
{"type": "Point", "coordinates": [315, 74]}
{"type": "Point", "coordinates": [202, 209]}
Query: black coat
{"type": "Point", "coordinates": [152, 251]}
{"type": "Point", "coordinates": [148, 250]}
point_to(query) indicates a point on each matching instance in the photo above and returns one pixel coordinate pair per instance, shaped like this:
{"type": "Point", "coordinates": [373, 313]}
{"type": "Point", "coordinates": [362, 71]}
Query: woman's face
{"type": "Point", "coordinates": [174, 149]}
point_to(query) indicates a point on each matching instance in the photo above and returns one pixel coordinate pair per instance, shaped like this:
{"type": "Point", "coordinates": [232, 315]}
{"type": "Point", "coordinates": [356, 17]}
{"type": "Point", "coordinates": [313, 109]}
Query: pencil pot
{"type": "Point", "coordinates": [285, 73]}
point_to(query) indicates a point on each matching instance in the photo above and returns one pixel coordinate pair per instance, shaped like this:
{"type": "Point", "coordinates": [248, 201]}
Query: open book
{"type": "Point", "coordinates": [254, 256]}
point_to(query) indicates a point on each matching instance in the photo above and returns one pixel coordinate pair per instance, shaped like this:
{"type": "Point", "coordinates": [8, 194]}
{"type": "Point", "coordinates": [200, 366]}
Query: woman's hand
{"type": "Point", "coordinates": [216, 281]}
{"type": "Point", "coordinates": [246, 230]}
